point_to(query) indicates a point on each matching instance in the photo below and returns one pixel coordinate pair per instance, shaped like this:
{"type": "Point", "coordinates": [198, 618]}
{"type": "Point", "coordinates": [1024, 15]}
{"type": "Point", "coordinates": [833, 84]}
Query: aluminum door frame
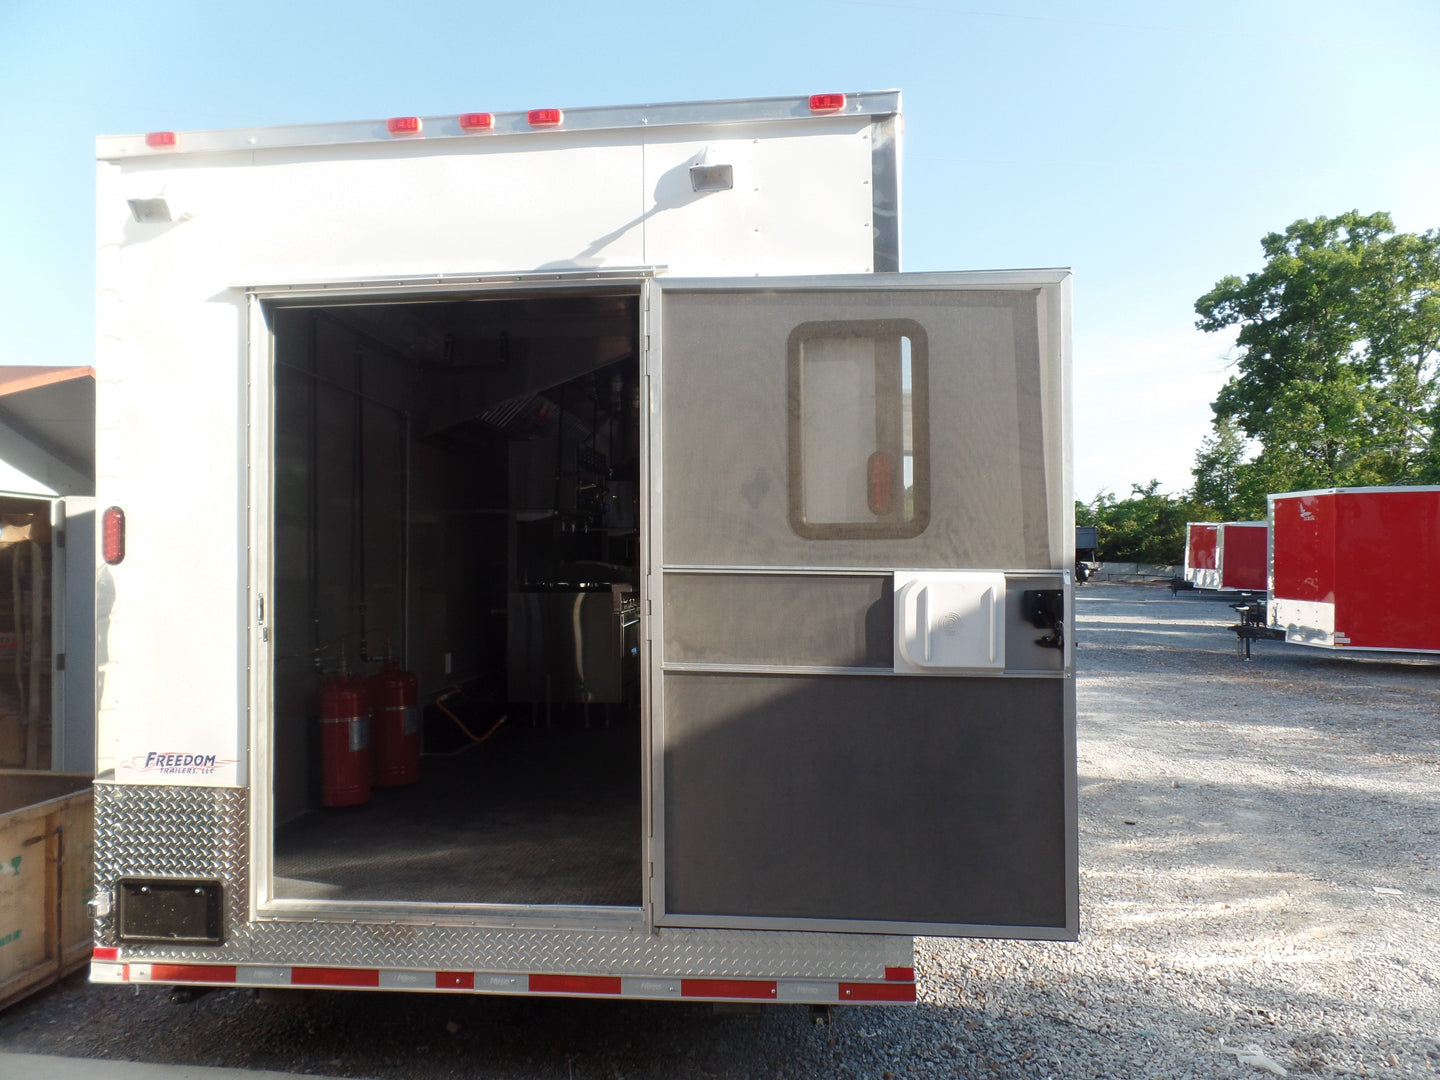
{"type": "Point", "coordinates": [257, 669]}
{"type": "Point", "coordinates": [656, 565]}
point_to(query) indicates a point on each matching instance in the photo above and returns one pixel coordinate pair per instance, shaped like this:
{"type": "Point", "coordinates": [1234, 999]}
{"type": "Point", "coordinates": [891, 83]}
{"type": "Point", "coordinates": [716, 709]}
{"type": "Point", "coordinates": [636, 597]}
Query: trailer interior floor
{"type": "Point", "coordinates": [534, 815]}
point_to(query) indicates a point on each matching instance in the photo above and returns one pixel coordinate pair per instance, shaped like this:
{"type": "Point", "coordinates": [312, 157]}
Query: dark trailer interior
{"type": "Point", "coordinates": [456, 488]}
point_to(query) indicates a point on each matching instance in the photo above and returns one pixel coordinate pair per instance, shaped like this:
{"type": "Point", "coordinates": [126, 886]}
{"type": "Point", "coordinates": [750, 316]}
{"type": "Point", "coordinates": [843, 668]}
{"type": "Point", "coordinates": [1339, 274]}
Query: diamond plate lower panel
{"type": "Point", "coordinates": [151, 831]}
{"type": "Point", "coordinates": [204, 832]}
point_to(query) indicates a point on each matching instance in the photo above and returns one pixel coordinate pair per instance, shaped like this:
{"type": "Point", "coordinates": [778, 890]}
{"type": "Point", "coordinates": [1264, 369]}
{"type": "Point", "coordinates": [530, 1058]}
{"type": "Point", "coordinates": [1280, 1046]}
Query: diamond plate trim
{"type": "Point", "coordinates": [204, 832]}
{"type": "Point", "coordinates": [749, 954]}
{"type": "Point", "coordinates": [151, 831]}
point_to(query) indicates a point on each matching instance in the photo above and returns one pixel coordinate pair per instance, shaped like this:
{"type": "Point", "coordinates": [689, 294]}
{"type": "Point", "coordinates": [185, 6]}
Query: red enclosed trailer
{"type": "Point", "coordinates": [1355, 568]}
{"type": "Point", "coordinates": [1229, 556]}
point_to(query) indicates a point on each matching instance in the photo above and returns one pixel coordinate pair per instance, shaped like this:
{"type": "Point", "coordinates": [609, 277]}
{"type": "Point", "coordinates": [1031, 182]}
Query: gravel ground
{"type": "Point", "coordinates": [1259, 868]}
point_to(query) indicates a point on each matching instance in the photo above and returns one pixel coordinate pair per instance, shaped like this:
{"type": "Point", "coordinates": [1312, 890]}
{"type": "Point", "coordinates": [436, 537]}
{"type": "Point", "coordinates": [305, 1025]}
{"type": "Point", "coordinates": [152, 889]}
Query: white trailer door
{"type": "Point", "coordinates": [860, 527]}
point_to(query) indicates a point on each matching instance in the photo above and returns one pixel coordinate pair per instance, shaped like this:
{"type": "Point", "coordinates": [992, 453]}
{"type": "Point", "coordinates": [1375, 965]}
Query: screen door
{"type": "Point", "coordinates": [861, 679]}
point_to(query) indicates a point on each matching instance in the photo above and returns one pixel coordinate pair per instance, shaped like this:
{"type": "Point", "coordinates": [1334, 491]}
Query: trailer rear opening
{"type": "Point", "coordinates": [456, 487]}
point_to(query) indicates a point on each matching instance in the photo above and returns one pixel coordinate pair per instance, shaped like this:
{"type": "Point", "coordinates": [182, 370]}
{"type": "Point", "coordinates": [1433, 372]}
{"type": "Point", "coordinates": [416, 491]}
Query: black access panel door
{"type": "Point", "coordinates": [858, 487]}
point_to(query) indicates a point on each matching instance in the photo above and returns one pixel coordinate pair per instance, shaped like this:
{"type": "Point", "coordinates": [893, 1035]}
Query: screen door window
{"type": "Point", "coordinates": [859, 461]}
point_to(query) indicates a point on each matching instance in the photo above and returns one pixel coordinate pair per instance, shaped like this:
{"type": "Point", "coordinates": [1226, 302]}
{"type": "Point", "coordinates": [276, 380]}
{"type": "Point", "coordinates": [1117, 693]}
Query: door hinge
{"type": "Point", "coordinates": [59, 538]}
{"type": "Point", "coordinates": [59, 661]}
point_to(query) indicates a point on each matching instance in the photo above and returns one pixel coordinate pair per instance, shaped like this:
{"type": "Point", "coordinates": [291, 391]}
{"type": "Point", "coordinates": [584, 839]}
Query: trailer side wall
{"type": "Point", "coordinates": [1387, 545]}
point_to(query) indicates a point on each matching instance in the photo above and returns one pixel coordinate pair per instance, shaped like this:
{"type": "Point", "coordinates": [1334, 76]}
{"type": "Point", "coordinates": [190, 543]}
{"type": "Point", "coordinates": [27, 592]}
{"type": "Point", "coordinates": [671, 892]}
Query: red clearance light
{"type": "Point", "coordinates": [477, 121]}
{"type": "Point", "coordinates": [545, 117]}
{"type": "Point", "coordinates": [827, 102]}
{"type": "Point", "coordinates": [403, 125]}
{"type": "Point", "coordinates": [160, 138]}
{"type": "Point", "coordinates": [112, 532]}
{"type": "Point", "coordinates": [881, 491]}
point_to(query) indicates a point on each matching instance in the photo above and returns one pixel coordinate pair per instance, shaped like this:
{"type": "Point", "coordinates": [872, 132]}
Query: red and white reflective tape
{"type": "Point", "coordinates": [897, 986]}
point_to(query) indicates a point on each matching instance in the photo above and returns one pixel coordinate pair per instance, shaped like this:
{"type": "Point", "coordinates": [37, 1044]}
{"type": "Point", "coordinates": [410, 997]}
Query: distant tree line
{"type": "Point", "coordinates": [1147, 527]}
{"type": "Point", "coordinates": [1336, 384]}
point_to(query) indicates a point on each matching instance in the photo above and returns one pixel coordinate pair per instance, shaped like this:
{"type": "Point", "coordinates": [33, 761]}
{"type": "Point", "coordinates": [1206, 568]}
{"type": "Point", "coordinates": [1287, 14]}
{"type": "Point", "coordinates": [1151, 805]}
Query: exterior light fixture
{"type": "Point", "coordinates": [147, 211]}
{"type": "Point", "coordinates": [706, 175]}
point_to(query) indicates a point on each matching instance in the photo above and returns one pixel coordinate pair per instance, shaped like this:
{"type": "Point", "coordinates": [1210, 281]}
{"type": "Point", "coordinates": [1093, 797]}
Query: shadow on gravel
{"type": "Point", "coordinates": [1045, 1019]}
{"type": "Point", "coordinates": [427, 1037]}
{"type": "Point", "coordinates": [1056, 1011]}
{"type": "Point", "coordinates": [1348, 720]}
{"type": "Point", "coordinates": [1283, 828]}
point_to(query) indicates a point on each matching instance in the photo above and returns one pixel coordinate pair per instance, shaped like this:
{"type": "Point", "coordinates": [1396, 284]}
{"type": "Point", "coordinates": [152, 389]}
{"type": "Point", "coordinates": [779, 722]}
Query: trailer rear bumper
{"type": "Point", "coordinates": [896, 987]}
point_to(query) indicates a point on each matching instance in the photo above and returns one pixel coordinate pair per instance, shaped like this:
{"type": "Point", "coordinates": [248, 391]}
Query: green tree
{"type": "Point", "coordinates": [1148, 527]}
{"type": "Point", "coordinates": [1336, 375]}
{"type": "Point", "coordinates": [1220, 472]}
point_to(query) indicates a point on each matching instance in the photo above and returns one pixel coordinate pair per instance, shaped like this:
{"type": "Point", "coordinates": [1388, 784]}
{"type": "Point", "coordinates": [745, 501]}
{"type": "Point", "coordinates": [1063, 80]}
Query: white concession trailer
{"type": "Point", "coordinates": [730, 565]}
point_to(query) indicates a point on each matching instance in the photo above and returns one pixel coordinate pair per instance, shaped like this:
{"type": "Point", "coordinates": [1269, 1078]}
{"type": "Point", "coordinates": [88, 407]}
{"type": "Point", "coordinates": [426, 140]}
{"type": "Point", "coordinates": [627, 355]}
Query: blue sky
{"type": "Point", "coordinates": [1147, 146]}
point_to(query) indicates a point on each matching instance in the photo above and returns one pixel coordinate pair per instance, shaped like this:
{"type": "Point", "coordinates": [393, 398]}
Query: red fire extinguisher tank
{"type": "Point", "coordinates": [344, 741]}
{"type": "Point", "coordinates": [395, 724]}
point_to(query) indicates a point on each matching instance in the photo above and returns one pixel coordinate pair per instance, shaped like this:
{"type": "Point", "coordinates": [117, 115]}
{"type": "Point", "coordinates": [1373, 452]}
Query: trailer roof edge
{"type": "Point", "coordinates": [1372, 490]}
{"type": "Point", "coordinates": [876, 104]}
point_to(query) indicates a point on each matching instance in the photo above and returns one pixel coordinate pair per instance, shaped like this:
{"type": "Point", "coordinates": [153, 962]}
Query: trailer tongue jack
{"type": "Point", "coordinates": [1251, 627]}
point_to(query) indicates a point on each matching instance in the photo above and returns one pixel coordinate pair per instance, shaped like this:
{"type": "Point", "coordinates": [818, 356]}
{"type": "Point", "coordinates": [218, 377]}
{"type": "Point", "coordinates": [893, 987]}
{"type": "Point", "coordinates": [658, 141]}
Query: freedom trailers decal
{"type": "Point", "coordinates": [173, 763]}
